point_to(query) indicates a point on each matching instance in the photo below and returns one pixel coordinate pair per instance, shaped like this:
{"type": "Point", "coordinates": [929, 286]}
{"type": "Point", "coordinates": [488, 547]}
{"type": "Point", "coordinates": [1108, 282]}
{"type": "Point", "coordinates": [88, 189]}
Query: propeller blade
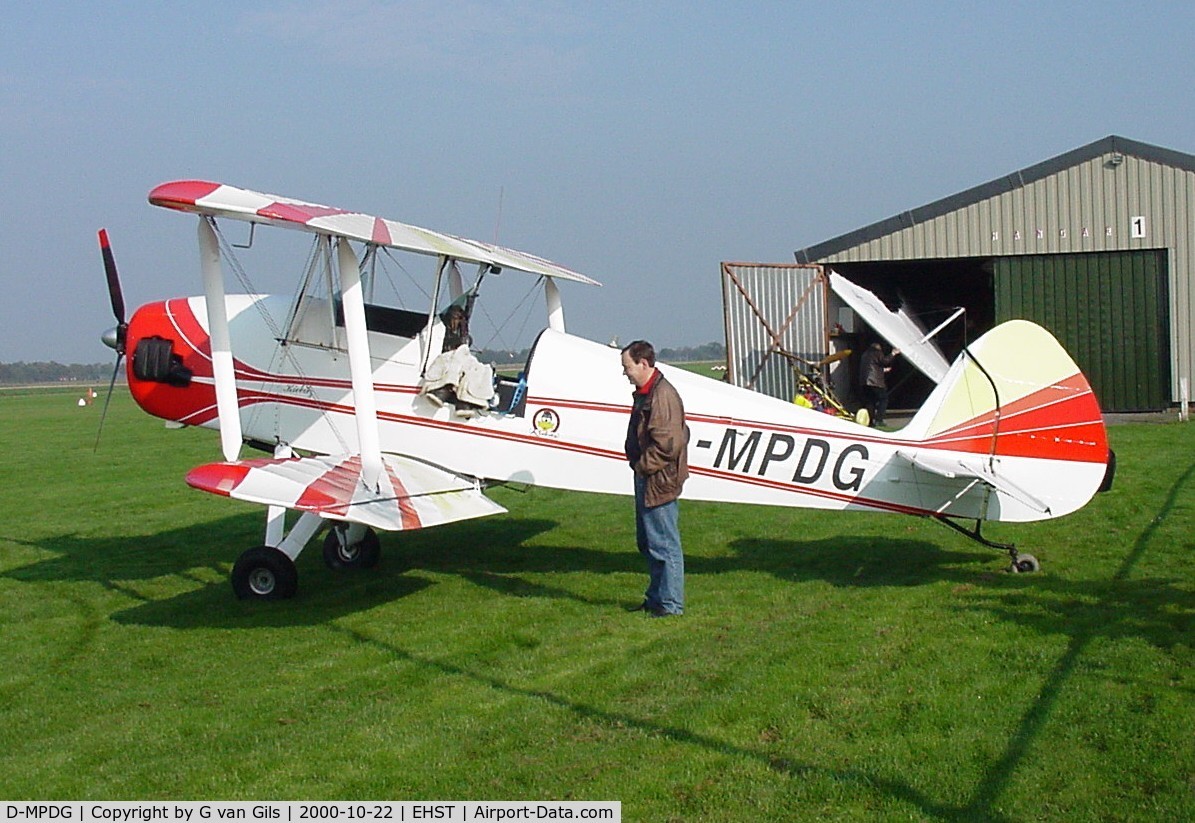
{"type": "Point", "coordinates": [107, 400]}
{"type": "Point", "coordinates": [834, 358]}
{"type": "Point", "coordinates": [114, 292]}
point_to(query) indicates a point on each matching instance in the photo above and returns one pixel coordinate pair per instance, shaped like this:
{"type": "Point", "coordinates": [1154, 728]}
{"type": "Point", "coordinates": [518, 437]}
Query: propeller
{"type": "Point", "coordinates": [841, 354]}
{"type": "Point", "coordinates": [113, 338]}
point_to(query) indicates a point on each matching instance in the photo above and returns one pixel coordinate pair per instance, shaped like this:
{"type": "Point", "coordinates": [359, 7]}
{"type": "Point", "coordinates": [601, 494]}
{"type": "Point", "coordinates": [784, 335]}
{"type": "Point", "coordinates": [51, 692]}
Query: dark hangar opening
{"type": "Point", "coordinates": [931, 290]}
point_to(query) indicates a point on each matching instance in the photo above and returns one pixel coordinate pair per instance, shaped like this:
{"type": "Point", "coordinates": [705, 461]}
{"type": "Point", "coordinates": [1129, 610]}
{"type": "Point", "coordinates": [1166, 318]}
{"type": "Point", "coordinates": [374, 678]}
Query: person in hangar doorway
{"type": "Point", "coordinates": [873, 374]}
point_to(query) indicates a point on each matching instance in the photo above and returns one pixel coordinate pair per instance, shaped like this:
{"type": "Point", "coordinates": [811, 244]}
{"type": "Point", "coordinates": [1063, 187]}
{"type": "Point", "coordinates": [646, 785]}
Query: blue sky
{"type": "Point", "coordinates": [640, 143]}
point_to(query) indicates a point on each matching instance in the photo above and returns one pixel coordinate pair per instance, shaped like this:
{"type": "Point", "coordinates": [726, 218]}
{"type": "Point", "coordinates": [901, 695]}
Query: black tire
{"type": "Point", "coordinates": [1025, 564]}
{"type": "Point", "coordinates": [264, 573]}
{"type": "Point", "coordinates": [364, 554]}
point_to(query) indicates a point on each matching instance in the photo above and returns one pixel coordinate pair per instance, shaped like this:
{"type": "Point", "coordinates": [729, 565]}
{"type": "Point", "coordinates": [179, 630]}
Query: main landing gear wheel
{"type": "Point", "coordinates": [340, 554]}
{"type": "Point", "coordinates": [264, 573]}
{"type": "Point", "coordinates": [1024, 564]}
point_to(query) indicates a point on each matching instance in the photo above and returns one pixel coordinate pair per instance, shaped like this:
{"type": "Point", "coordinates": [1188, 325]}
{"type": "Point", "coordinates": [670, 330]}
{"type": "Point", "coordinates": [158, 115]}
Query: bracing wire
{"type": "Point", "coordinates": [498, 327]}
{"type": "Point", "coordinates": [386, 271]}
{"type": "Point", "coordinates": [283, 352]}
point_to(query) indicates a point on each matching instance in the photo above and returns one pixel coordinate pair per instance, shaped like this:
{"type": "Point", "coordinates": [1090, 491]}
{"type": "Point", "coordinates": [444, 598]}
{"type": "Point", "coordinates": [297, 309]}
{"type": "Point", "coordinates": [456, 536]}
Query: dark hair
{"type": "Point", "coordinates": [641, 350]}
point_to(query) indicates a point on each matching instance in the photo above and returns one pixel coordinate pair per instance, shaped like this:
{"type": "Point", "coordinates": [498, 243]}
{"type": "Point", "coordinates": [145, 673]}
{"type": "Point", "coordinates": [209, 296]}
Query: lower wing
{"type": "Point", "coordinates": [410, 494]}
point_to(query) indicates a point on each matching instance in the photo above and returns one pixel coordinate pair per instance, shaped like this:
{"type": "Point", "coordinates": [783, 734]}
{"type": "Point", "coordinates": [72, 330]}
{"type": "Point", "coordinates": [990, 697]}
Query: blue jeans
{"type": "Point", "coordinates": [658, 534]}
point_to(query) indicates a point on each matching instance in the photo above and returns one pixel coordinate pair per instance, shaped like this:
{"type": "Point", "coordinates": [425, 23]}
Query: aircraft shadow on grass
{"type": "Point", "coordinates": [494, 553]}
{"type": "Point", "coordinates": [851, 560]}
{"type": "Point", "coordinates": [491, 553]}
{"type": "Point", "coordinates": [132, 566]}
{"type": "Point", "coordinates": [499, 561]}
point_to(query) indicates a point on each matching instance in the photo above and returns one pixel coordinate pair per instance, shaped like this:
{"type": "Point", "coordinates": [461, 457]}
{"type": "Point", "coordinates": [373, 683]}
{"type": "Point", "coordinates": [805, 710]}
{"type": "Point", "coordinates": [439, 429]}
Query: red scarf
{"type": "Point", "coordinates": [651, 381]}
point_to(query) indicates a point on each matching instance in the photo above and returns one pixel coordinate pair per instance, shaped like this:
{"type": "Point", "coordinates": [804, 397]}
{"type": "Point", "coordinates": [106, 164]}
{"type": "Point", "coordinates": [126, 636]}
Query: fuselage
{"type": "Point", "coordinates": [564, 427]}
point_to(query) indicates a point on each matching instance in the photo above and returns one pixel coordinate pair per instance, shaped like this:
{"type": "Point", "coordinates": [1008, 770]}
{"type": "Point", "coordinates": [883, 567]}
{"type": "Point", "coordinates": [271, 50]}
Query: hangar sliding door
{"type": "Point", "coordinates": [1109, 309]}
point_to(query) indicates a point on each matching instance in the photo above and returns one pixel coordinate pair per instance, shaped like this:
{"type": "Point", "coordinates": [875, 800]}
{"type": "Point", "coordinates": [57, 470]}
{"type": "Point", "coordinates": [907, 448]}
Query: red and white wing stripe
{"type": "Point", "coordinates": [219, 200]}
{"type": "Point", "coordinates": [411, 494]}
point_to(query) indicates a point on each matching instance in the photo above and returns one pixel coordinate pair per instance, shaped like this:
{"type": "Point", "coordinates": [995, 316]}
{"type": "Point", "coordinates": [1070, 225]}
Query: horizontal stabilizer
{"type": "Point", "coordinates": [953, 465]}
{"type": "Point", "coordinates": [410, 494]}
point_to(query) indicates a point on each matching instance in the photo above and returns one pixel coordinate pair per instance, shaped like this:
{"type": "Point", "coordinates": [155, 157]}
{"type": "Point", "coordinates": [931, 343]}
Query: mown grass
{"type": "Point", "coordinates": [830, 666]}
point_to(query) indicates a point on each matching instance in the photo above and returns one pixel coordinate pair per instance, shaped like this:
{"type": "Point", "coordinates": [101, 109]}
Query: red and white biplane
{"type": "Point", "coordinates": [333, 388]}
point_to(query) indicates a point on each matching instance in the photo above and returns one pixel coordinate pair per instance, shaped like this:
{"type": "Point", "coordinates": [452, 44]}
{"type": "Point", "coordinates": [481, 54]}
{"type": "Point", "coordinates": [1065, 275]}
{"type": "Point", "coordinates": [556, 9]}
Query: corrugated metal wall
{"type": "Point", "coordinates": [1114, 202]}
{"type": "Point", "coordinates": [1108, 309]}
{"type": "Point", "coordinates": [770, 308]}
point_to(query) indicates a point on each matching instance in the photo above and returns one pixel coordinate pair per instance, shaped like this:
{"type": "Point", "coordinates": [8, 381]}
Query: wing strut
{"type": "Point", "coordinates": [223, 371]}
{"type": "Point", "coordinates": [555, 306]}
{"type": "Point", "coordinates": [360, 365]}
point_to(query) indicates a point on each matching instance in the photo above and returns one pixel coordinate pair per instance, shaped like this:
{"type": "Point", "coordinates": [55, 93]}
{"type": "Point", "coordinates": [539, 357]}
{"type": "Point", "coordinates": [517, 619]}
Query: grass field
{"type": "Point", "coordinates": [830, 666]}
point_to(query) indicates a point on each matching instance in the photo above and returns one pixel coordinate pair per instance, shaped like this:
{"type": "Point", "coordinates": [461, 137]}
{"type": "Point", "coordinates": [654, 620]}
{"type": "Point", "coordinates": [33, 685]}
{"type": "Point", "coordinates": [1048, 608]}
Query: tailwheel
{"type": "Point", "coordinates": [346, 547]}
{"type": "Point", "coordinates": [264, 573]}
{"type": "Point", "coordinates": [1021, 563]}
{"type": "Point", "coordinates": [1024, 564]}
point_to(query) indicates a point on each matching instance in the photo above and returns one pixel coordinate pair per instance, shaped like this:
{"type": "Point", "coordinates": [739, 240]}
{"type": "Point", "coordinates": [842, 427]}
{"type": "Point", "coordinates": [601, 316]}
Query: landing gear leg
{"type": "Point", "coordinates": [268, 572]}
{"type": "Point", "coordinates": [1021, 563]}
{"type": "Point", "coordinates": [351, 546]}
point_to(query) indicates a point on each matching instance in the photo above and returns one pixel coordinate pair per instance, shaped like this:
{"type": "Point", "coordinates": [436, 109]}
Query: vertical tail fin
{"type": "Point", "coordinates": [1016, 399]}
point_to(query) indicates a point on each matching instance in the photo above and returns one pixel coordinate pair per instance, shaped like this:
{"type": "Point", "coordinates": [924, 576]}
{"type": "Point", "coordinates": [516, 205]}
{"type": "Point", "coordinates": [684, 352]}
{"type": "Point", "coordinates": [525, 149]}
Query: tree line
{"type": "Point", "coordinates": [682, 354]}
{"type": "Point", "coordinates": [42, 372]}
{"type": "Point", "coordinates": [23, 374]}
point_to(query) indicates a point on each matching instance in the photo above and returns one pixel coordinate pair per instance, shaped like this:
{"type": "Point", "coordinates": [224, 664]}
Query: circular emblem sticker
{"type": "Point", "coordinates": [546, 421]}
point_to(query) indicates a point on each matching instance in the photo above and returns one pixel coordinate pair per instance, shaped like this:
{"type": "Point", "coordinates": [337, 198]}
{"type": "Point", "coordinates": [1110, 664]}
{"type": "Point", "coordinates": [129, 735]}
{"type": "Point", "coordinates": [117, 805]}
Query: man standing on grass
{"type": "Point", "coordinates": [656, 447]}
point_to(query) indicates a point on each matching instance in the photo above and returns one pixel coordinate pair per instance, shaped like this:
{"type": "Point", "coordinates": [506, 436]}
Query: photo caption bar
{"type": "Point", "coordinates": [195, 811]}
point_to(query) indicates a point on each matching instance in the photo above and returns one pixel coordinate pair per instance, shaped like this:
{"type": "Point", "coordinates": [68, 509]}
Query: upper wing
{"type": "Point", "coordinates": [896, 327]}
{"type": "Point", "coordinates": [411, 494]}
{"type": "Point", "coordinates": [219, 200]}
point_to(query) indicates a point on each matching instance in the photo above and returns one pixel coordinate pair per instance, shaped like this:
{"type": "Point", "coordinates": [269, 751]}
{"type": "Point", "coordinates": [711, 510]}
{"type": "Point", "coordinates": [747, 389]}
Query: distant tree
{"type": "Point", "coordinates": [41, 372]}
{"type": "Point", "coordinates": [50, 372]}
{"type": "Point", "coordinates": [688, 354]}
{"type": "Point", "coordinates": [503, 358]}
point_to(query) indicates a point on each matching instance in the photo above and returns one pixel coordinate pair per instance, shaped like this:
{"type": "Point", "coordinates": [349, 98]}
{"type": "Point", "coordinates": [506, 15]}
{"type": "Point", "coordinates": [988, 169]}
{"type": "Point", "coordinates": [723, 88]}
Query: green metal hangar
{"type": "Point", "coordinates": [1095, 244]}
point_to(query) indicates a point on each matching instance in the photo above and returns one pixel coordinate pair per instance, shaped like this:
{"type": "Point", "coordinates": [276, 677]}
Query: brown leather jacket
{"type": "Point", "coordinates": [658, 441]}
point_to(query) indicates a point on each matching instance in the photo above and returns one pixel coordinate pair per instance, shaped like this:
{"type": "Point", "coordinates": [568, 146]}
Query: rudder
{"type": "Point", "coordinates": [1017, 397]}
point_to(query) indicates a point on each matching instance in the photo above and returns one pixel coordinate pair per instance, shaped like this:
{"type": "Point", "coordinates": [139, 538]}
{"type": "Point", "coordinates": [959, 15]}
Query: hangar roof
{"type": "Point", "coordinates": [985, 191]}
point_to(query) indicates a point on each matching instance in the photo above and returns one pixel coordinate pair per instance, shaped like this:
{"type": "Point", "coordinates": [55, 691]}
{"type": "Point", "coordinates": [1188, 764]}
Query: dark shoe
{"type": "Point", "coordinates": [642, 607]}
{"type": "Point", "coordinates": [659, 612]}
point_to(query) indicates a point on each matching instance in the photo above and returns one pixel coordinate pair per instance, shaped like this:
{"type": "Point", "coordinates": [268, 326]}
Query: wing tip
{"type": "Point", "coordinates": [181, 194]}
{"type": "Point", "coordinates": [217, 478]}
